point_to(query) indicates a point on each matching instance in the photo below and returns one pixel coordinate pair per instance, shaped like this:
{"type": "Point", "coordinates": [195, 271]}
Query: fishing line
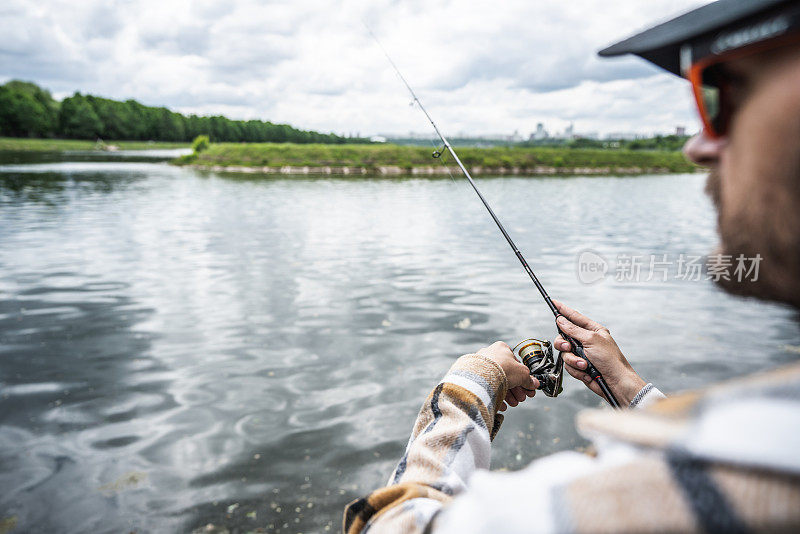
{"type": "Point", "coordinates": [577, 346]}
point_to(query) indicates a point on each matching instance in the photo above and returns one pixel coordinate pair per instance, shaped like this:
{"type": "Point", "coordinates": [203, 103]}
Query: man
{"type": "Point", "coordinates": [724, 459]}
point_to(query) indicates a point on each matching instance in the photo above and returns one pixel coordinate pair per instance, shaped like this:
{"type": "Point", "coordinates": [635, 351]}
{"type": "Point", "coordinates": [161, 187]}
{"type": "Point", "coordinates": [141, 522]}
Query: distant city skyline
{"type": "Point", "coordinates": [315, 67]}
{"type": "Point", "coordinates": [570, 132]}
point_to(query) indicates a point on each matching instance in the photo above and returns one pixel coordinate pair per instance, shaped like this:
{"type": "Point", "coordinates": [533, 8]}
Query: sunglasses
{"type": "Point", "coordinates": [713, 85]}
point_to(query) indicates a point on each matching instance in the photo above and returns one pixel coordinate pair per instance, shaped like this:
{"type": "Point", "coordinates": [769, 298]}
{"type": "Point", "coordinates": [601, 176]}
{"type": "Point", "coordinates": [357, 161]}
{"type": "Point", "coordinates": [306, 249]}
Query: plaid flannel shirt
{"type": "Point", "coordinates": [724, 459]}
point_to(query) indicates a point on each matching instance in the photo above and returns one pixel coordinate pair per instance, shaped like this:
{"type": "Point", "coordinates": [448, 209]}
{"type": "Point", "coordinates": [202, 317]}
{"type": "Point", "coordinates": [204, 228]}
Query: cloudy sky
{"type": "Point", "coordinates": [480, 67]}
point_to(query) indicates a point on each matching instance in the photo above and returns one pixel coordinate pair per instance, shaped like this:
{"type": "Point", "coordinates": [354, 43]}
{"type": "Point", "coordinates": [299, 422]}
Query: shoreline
{"type": "Point", "coordinates": [403, 160]}
{"type": "Point", "coordinates": [386, 160]}
{"type": "Point", "coordinates": [430, 170]}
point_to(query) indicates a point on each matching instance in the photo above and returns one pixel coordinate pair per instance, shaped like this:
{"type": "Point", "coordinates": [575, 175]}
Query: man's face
{"type": "Point", "coordinates": [754, 177]}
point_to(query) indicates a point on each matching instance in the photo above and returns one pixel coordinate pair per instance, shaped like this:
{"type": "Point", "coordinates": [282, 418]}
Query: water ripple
{"type": "Point", "coordinates": [180, 348]}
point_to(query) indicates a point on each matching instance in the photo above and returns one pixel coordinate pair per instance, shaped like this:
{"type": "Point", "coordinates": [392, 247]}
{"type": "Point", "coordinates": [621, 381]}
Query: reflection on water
{"type": "Point", "coordinates": [181, 348]}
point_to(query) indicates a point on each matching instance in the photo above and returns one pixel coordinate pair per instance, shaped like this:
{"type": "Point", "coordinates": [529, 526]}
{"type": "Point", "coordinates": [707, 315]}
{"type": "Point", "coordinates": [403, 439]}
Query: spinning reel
{"type": "Point", "coordinates": [537, 355]}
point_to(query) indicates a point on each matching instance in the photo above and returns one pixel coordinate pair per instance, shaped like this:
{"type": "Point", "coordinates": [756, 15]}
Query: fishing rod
{"type": "Point", "coordinates": [577, 346]}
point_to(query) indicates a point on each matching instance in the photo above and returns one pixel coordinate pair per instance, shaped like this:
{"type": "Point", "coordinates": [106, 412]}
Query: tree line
{"type": "Point", "coordinates": [27, 110]}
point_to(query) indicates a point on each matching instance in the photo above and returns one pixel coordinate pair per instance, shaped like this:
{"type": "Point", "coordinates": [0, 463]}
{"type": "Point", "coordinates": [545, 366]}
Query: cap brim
{"type": "Point", "coordinates": [661, 44]}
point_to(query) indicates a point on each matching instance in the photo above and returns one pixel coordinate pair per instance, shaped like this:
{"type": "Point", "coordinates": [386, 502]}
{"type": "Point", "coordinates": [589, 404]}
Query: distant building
{"type": "Point", "coordinates": [515, 137]}
{"type": "Point", "coordinates": [680, 131]}
{"type": "Point", "coordinates": [377, 139]}
{"type": "Point", "coordinates": [539, 134]}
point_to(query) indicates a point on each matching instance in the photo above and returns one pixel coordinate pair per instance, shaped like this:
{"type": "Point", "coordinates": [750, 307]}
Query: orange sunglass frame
{"type": "Point", "coordinates": [695, 75]}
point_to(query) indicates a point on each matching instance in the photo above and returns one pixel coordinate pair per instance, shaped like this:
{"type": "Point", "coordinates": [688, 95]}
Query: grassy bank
{"type": "Point", "coordinates": [374, 158]}
{"type": "Point", "coordinates": [60, 145]}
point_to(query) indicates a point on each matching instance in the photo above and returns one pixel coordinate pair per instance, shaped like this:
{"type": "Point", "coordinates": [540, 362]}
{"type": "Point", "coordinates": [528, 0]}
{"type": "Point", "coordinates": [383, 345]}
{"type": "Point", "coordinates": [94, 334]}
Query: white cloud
{"type": "Point", "coordinates": [480, 67]}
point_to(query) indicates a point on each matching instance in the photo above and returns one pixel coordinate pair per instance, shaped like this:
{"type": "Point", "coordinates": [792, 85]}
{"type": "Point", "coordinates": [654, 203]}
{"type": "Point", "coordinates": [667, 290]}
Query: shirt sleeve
{"type": "Point", "coordinates": [648, 395]}
{"type": "Point", "coordinates": [450, 440]}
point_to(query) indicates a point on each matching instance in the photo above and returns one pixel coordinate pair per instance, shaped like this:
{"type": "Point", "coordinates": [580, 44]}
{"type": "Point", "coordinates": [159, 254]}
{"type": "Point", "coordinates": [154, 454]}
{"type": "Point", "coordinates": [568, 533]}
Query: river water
{"type": "Point", "coordinates": [182, 348]}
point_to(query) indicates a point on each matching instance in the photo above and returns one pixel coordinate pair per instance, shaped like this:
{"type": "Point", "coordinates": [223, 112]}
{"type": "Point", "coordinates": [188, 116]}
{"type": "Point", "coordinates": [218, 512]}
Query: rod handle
{"type": "Point", "coordinates": [577, 350]}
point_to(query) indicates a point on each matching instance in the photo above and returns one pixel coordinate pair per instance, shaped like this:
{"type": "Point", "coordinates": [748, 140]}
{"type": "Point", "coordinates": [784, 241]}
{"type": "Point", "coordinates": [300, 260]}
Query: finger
{"type": "Point", "coordinates": [561, 344]}
{"type": "Point", "coordinates": [519, 394]}
{"type": "Point", "coordinates": [511, 400]}
{"type": "Point", "coordinates": [503, 407]}
{"type": "Point", "coordinates": [500, 347]}
{"type": "Point", "coordinates": [577, 317]}
{"type": "Point", "coordinates": [579, 375]}
{"type": "Point", "coordinates": [572, 329]}
{"type": "Point", "coordinates": [574, 361]}
{"type": "Point", "coordinates": [532, 385]}
{"type": "Point", "coordinates": [497, 349]}
{"type": "Point", "coordinates": [583, 377]}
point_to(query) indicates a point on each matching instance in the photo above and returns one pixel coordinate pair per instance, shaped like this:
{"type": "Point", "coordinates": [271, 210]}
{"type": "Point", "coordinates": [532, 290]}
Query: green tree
{"type": "Point", "coordinates": [26, 110]}
{"type": "Point", "coordinates": [78, 118]}
{"type": "Point", "coordinates": [200, 143]}
{"type": "Point", "coordinates": [22, 116]}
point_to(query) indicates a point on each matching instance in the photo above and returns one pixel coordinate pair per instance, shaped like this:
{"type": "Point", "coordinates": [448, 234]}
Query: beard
{"type": "Point", "coordinates": [758, 230]}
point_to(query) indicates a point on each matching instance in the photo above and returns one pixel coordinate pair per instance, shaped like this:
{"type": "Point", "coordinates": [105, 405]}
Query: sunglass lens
{"type": "Point", "coordinates": [712, 100]}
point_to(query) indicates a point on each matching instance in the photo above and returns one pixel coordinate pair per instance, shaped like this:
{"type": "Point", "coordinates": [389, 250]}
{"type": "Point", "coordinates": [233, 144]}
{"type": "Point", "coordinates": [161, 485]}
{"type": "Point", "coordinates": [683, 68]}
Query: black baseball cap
{"type": "Point", "coordinates": [715, 28]}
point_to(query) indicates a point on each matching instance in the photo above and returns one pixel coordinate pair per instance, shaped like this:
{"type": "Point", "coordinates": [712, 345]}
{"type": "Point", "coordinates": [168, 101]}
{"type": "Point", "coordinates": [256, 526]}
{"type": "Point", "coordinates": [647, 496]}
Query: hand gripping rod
{"type": "Point", "coordinates": [577, 347]}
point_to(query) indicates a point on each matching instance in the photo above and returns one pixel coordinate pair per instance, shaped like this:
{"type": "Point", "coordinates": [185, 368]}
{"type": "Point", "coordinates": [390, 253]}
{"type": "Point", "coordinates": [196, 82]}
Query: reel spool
{"type": "Point", "coordinates": [537, 355]}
